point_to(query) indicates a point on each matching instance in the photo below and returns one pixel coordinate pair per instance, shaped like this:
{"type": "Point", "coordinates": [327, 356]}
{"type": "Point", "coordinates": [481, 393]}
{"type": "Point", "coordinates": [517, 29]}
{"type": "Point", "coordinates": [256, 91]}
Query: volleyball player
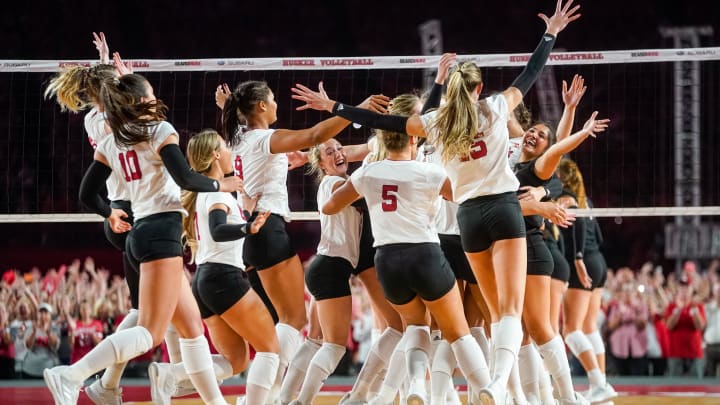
{"type": "Point", "coordinates": [581, 303]}
{"type": "Point", "coordinates": [260, 159]}
{"type": "Point", "coordinates": [77, 88]}
{"type": "Point", "coordinates": [144, 149]}
{"type": "Point", "coordinates": [473, 139]}
{"type": "Point", "coordinates": [412, 270]}
{"type": "Point", "coordinates": [233, 312]}
{"type": "Point", "coordinates": [540, 156]}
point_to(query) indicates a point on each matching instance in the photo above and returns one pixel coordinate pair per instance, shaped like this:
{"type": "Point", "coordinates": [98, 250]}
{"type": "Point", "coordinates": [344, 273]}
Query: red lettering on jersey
{"type": "Point", "coordinates": [239, 167]}
{"type": "Point", "coordinates": [130, 165]}
{"type": "Point", "coordinates": [477, 150]}
{"type": "Point", "coordinates": [389, 203]}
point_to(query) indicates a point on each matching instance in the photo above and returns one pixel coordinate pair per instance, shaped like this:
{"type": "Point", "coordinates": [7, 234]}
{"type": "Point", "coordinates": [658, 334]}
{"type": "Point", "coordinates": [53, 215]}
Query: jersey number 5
{"type": "Point", "coordinates": [389, 197]}
{"type": "Point", "coordinates": [130, 165]}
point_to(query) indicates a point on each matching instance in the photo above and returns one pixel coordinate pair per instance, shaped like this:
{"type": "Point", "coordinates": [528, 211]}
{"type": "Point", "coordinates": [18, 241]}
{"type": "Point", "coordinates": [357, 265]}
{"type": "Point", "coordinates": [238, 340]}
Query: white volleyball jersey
{"type": "Point", "coordinates": [446, 217]}
{"type": "Point", "coordinates": [339, 233]}
{"type": "Point", "coordinates": [485, 171]}
{"type": "Point", "coordinates": [262, 171]}
{"type": "Point", "coordinates": [217, 252]}
{"type": "Point", "coordinates": [150, 187]}
{"type": "Point", "coordinates": [95, 128]}
{"type": "Point", "coordinates": [401, 198]}
{"type": "Point", "coordinates": [515, 151]}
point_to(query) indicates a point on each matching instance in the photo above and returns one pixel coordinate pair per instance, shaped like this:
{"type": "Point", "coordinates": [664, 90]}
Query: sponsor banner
{"type": "Point", "coordinates": [378, 62]}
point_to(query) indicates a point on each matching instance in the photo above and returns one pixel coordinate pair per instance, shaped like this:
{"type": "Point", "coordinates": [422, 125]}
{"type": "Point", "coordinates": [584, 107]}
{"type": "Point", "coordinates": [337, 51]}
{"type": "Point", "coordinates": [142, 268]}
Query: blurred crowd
{"type": "Point", "coordinates": [653, 323]}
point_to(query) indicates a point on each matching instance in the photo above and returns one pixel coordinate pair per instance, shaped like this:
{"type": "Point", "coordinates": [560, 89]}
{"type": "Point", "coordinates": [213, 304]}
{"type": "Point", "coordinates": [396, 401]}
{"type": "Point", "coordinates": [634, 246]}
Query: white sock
{"type": "Point", "coordinates": [443, 365]}
{"type": "Point", "coordinates": [297, 369]}
{"type": "Point", "coordinates": [529, 373]}
{"type": "Point", "coordinates": [172, 341]}
{"type": "Point", "coordinates": [479, 334]}
{"type": "Point", "coordinates": [374, 335]}
{"type": "Point", "coordinates": [199, 367]}
{"type": "Point", "coordinates": [515, 386]}
{"type": "Point", "coordinates": [546, 386]}
{"type": "Point", "coordinates": [221, 368]}
{"type": "Point", "coordinates": [289, 339]}
{"type": "Point", "coordinates": [322, 365]}
{"type": "Point", "coordinates": [119, 347]}
{"type": "Point", "coordinates": [471, 362]}
{"type": "Point", "coordinates": [507, 341]}
{"type": "Point", "coordinates": [396, 372]}
{"type": "Point", "coordinates": [596, 378]}
{"type": "Point", "coordinates": [417, 347]}
{"type": "Point", "coordinates": [491, 358]}
{"type": "Point", "coordinates": [261, 377]}
{"type": "Point", "coordinates": [372, 374]}
{"type": "Point", "coordinates": [556, 362]}
{"type": "Point", "coordinates": [111, 377]}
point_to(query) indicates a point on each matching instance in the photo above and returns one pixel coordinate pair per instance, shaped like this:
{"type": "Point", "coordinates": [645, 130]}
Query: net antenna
{"type": "Point", "coordinates": [431, 41]}
{"type": "Point", "coordinates": [684, 238]}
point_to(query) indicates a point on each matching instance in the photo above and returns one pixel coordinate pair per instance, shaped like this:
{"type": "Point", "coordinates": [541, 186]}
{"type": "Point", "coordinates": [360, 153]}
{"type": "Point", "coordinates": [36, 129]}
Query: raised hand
{"type": "Point", "coordinates": [231, 184]}
{"type": "Point", "coordinates": [593, 126]}
{"type": "Point", "coordinates": [571, 96]}
{"type": "Point", "coordinates": [102, 46]}
{"type": "Point", "coordinates": [116, 222]}
{"type": "Point", "coordinates": [315, 100]}
{"type": "Point", "coordinates": [123, 68]}
{"type": "Point", "coordinates": [562, 17]}
{"type": "Point", "coordinates": [446, 61]}
{"type": "Point", "coordinates": [296, 159]}
{"type": "Point", "coordinates": [377, 103]}
{"type": "Point", "coordinates": [258, 222]}
{"type": "Point", "coordinates": [221, 95]}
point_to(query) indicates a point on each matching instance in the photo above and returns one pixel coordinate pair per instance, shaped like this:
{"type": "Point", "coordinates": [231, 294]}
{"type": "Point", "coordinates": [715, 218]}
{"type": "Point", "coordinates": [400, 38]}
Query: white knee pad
{"type": "Point", "coordinates": [444, 360]}
{"type": "Point", "coordinates": [130, 343]}
{"type": "Point", "coordinates": [418, 337]}
{"type": "Point", "coordinates": [129, 321]}
{"type": "Point", "coordinates": [289, 339]}
{"type": "Point", "coordinates": [328, 357]}
{"type": "Point", "coordinates": [386, 343]}
{"type": "Point", "coordinates": [263, 370]}
{"type": "Point", "coordinates": [508, 334]}
{"type": "Point", "coordinates": [578, 342]}
{"type": "Point", "coordinates": [596, 342]}
{"type": "Point", "coordinates": [196, 354]}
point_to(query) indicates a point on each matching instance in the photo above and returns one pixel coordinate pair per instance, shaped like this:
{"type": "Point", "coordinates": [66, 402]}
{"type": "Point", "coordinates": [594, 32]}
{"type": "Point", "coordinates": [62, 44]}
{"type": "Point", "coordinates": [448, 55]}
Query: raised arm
{"type": "Point", "coordinates": [102, 46]}
{"type": "Point", "coordinates": [556, 23]}
{"type": "Point", "coordinates": [314, 100]}
{"type": "Point", "coordinates": [340, 198]}
{"type": "Point", "coordinates": [571, 97]}
{"type": "Point", "coordinates": [287, 140]}
{"type": "Point", "coordinates": [434, 96]}
{"type": "Point", "coordinates": [185, 177]}
{"type": "Point", "coordinates": [546, 164]}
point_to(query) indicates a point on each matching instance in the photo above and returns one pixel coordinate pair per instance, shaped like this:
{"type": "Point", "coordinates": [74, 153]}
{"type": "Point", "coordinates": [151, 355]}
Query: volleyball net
{"type": "Point", "coordinates": [659, 158]}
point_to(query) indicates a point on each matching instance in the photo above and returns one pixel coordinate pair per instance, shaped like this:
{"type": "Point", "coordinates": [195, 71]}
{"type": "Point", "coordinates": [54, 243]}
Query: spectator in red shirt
{"type": "Point", "coordinates": [685, 321]}
{"type": "Point", "coordinates": [85, 333]}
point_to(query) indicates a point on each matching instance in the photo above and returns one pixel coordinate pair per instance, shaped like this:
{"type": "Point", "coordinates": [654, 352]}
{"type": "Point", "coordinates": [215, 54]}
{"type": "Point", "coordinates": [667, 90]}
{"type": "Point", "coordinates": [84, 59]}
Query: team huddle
{"type": "Point", "coordinates": [456, 224]}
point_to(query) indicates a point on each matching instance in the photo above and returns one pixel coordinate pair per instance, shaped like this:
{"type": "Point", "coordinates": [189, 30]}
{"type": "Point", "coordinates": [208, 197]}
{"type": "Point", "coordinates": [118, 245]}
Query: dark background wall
{"type": "Point", "coordinates": [45, 152]}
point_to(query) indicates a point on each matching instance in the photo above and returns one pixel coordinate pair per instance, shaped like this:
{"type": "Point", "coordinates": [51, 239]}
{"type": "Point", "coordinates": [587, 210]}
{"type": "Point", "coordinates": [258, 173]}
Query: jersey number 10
{"type": "Point", "coordinates": [130, 165]}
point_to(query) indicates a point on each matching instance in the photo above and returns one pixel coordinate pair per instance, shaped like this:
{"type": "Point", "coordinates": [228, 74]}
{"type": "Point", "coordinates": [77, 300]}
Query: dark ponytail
{"type": "Point", "coordinates": [128, 116]}
{"type": "Point", "coordinates": [239, 106]}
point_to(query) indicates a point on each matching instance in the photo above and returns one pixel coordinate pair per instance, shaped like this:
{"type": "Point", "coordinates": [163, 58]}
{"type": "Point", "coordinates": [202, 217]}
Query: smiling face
{"type": "Point", "coordinates": [536, 140]}
{"type": "Point", "coordinates": [333, 160]}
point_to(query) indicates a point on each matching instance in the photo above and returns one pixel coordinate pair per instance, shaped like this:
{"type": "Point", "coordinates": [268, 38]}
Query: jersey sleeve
{"type": "Point", "coordinates": [162, 132]}
{"type": "Point", "coordinates": [357, 179]}
{"type": "Point", "coordinates": [225, 199]}
{"type": "Point", "coordinates": [499, 106]}
{"type": "Point", "coordinates": [437, 177]}
{"type": "Point", "coordinates": [263, 141]}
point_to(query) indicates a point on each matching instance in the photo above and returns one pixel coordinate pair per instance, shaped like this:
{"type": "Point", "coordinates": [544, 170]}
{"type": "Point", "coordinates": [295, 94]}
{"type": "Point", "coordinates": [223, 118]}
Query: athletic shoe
{"type": "Point", "coordinates": [578, 400]}
{"type": "Point", "coordinates": [100, 395]}
{"type": "Point", "coordinates": [376, 401]}
{"type": "Point", "coordinates": [162, 383]}
{"type": "Point", "coordinates": [240, 400]}
{"type": "Point", "coordinates": [493, 394]}
{"type": "Point", "coordinates": [452, 397]}
{"type": "Point", "coordinates": [64, 391]}
{"type": "Point", "coordinates": [601, 394]}
{"type": "Point", "coordinates": [184, 388]}
{"type": "Point", "coordinates": [347, 400]}
{"type": "Point", "coordinates": [416, 394]}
